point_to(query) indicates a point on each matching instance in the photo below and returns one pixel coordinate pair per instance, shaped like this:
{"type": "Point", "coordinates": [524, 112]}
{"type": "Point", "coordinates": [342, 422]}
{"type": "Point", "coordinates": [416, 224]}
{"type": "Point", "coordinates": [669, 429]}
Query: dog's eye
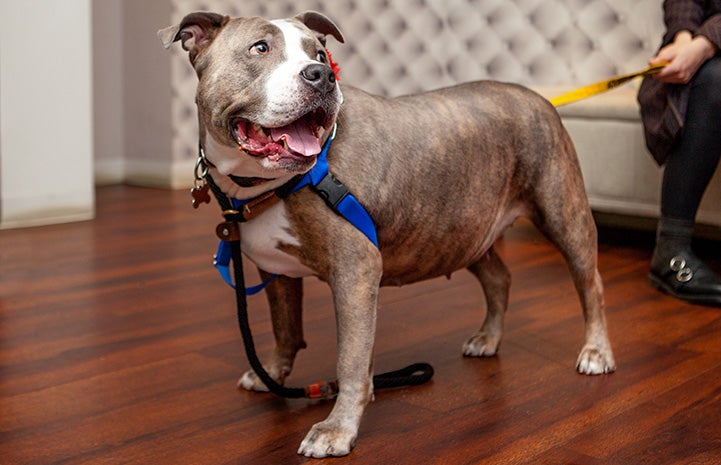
{"type": "Point", "coordinates": [260, 48]}
{"type": "Point", "coordinates": [322, 57]}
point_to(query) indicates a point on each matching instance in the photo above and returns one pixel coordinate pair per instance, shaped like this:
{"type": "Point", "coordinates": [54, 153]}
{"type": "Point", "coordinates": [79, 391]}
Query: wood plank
{"type": "Point", "coordinates": [118, 344]}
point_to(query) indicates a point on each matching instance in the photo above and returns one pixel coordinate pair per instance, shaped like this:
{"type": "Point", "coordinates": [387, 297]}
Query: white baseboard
{"type": "Point", "coordinates": [109, 172]}
{"type": "Point", "coordinates": [26, 211]}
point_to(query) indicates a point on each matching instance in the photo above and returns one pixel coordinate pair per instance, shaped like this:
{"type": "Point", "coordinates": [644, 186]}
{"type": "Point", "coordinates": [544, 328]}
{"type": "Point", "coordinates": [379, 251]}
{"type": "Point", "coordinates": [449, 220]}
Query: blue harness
{"type": "Point", "coordinates": [335, 194]}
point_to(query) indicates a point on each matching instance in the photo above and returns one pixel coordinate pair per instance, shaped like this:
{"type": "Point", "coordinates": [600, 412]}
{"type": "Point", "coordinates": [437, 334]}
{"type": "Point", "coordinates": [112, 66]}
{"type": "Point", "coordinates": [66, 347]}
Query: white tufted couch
{"type": "Point", "coordinates": [402, 46]}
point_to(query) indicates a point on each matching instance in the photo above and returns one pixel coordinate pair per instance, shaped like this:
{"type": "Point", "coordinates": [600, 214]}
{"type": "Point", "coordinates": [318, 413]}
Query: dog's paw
{"type": "Point", "coordinates": [595, 361]}
{"type": "Point", "coordinates": [328, 439]}
{"type": "Point", "coordinates": [250, 382]}
{"type": "Point", "coordinates": [481, 345]}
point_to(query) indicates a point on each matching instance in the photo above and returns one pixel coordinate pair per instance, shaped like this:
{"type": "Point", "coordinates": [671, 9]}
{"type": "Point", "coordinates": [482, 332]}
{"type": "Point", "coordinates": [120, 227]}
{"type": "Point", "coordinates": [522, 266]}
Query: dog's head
{"type": "Point", "coordinates": [264, 87]}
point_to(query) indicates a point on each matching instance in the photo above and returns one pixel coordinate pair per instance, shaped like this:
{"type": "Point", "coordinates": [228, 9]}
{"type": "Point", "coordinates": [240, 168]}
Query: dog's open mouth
{"type": "Point", "coordinates": [299, 139]}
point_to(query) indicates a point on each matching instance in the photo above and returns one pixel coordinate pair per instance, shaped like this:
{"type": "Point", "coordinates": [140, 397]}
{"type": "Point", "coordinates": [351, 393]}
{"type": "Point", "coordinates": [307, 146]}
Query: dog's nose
{"type": "Point", "coordinates": [320, 77]}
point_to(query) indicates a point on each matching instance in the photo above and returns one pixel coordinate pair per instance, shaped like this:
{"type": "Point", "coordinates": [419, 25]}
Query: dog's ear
{"type": "Point", "coordinates": [321, 24]}
{"type": "Point", "coordinates": [196, 31]}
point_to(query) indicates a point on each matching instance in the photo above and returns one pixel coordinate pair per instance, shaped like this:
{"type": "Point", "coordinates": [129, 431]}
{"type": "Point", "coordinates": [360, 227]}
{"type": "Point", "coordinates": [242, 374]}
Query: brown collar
{"type": "Point", "coordinates": [258, 205]}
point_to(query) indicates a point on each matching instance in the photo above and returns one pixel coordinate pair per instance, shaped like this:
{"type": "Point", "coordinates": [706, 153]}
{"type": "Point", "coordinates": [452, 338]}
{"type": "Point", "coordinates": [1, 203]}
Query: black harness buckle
{"type": "Point", "coordinates": [331, 190]}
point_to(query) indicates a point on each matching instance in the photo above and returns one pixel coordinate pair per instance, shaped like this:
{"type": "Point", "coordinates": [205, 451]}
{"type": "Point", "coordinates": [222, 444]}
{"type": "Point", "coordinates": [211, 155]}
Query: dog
{"type": "Point", "coordinates": [442, 174]}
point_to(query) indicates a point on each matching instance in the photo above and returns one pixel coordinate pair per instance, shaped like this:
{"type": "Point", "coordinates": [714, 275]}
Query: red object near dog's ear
{"type": "Point", "coordinates": [334, 66]}
{"type": "Point", "coordinates": [196, 31]}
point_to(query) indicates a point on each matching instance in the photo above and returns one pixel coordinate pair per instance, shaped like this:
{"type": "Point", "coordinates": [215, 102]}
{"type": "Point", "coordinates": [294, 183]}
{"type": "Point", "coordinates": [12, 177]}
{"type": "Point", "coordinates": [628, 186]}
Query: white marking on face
{"type": "Point", "coordinates": [283, 89]}
{"type": "Point", "coordinates": [260, 239]}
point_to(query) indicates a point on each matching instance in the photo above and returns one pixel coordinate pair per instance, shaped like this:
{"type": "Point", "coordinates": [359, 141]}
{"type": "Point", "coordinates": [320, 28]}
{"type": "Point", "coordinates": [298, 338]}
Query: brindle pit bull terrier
{"type": "Point", "coordinates": [442, 174]}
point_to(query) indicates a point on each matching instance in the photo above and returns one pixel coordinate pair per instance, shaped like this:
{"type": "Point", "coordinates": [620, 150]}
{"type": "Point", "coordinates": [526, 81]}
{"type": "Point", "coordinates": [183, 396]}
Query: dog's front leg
{"type": "Point", "coordinates": [285, 297]}
{"type": "Point", "coordinates": [355, 293]}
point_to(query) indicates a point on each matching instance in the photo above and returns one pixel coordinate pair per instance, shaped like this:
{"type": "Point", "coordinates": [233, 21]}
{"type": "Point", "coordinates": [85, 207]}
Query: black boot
{"type": "Point", "coordinates": [676, 270]}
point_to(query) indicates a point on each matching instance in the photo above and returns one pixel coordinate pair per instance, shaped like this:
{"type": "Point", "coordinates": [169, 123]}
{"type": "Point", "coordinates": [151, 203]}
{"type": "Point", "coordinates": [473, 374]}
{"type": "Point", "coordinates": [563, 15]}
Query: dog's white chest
{"type": "Point", "coordinates": [260, 239]}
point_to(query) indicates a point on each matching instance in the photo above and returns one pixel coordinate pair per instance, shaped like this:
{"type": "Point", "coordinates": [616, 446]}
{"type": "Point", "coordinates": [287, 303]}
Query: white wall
{"type": "Point", "coordinates": [108, 94]}
{"type": "Point", "coordinates": [147, 94]}
{"type": "Point", "coordinates": [133, 124]}
{"type": "Point", "coordinates": [46, 131]}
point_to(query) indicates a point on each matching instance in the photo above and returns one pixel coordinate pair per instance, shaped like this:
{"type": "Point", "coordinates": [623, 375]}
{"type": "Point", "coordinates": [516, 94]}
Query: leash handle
{"type": "Point", "coordinates": [412, 375]}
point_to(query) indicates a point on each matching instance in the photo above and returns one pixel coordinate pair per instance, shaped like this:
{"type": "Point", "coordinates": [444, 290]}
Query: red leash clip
{"type": "Point", "coordinates": [322, 390]}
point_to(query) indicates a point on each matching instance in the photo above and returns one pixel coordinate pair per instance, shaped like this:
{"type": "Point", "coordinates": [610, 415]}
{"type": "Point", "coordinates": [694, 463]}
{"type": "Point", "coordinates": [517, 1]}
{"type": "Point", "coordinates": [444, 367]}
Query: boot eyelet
{"type": "Point", "coordinates": [684, 275]}
{"type": "Point", "coordinates": [677, 263]}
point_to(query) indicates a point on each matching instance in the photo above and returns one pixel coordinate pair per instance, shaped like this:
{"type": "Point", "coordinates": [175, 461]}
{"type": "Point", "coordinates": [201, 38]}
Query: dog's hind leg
{"type": "Point", "coordinates": [565, 218]}
{"type": "Point", "coordinates": [285, 296]}
{"type": "Point", "coordinates": [496, 281]}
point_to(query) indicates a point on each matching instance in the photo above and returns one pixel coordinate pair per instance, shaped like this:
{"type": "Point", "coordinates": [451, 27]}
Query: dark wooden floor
{"type": "Point", "coordinates": [118, 344]}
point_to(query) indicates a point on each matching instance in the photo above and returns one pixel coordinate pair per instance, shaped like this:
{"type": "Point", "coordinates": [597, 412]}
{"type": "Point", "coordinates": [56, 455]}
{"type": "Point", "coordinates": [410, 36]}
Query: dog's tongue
{"type": "Point", "coordinates": [299, 137]}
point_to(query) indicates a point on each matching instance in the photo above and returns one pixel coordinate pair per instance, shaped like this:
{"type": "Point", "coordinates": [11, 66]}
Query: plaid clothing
{"type": "Point", "coordinates": [663, 106]}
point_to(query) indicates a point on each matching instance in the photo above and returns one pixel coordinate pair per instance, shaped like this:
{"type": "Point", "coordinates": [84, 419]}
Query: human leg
{"type": "Point", "coordinates": [690, 166]}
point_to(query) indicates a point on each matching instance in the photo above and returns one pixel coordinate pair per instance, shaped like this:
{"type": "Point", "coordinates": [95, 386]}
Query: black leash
{"type": "Point", "coordinates": [412, 375]}
{"type": "Point", "coordinates": [229, 231]}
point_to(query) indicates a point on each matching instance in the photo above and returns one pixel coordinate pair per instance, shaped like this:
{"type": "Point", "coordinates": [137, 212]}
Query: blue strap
{"type": "Point", "coordinates": [222, 263]}
{"type": "Point", "coordinates": [344, 203]}
{"type": "Point", "coordinates": [334, 193]}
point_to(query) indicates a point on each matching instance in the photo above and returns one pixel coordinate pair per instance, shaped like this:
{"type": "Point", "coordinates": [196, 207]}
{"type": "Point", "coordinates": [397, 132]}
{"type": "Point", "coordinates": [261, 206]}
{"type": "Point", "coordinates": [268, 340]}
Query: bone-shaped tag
{"type": "Point", "coordinates": [200, 195]}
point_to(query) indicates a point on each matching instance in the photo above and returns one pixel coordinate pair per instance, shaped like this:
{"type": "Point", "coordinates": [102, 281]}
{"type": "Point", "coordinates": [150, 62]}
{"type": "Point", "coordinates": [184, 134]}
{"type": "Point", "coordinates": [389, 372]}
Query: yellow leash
{"type": "Point", "coordinates": [602, 86]}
